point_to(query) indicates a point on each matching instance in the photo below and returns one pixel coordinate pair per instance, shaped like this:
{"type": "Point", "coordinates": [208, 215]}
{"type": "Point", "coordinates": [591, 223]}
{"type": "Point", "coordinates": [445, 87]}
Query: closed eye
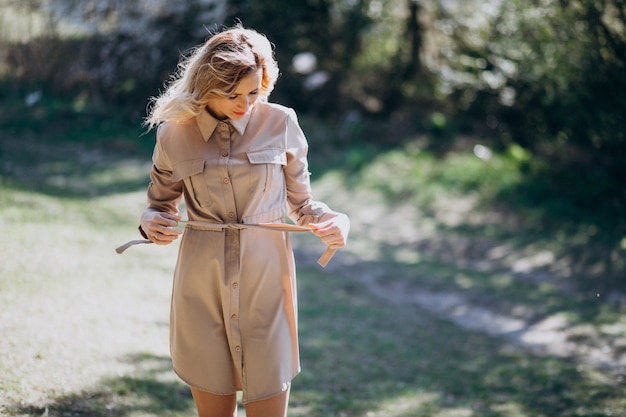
{"type": "Point", "coordinates": [252, 93]}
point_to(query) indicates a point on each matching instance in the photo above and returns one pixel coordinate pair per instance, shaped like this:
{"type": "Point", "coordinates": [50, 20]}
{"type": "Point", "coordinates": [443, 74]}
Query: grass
{"type": "Point", "coordinates": [382, 360]}
{"type": "Point", "coordinates": [509, 197]}
{"type": "Point", "coordinates": [87, 330]}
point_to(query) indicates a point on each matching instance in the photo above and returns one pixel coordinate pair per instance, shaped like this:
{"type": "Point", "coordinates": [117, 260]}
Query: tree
{"type": "Point", "coordinates": [329, 30]}
{"type": "Point", "coordinates": [118, 52]}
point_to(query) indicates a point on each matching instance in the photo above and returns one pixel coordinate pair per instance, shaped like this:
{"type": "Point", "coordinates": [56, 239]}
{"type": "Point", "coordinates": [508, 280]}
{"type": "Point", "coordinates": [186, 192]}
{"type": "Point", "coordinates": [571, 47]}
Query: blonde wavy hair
{"type": "Point", "coordinates": [213, 70]}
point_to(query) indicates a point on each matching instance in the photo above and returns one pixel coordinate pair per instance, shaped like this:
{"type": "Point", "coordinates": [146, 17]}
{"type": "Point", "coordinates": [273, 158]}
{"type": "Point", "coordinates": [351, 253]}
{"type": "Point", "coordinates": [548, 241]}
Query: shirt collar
{"type": "Point", "coordinates": [241, 124]}
{"type": "Point", "coordinates": [207, 123]}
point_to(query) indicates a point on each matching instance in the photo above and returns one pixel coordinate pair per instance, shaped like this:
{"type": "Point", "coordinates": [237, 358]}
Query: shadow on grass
{"type": "Point", "coordinates": [576, 212]}
{"type": "Point", "coordinates": [452, 263]}
{"type": "Point", "coordinates": [145, 393]}
{"type": "Point", "coordinates": [360, 355]}
{"type": "Point", "coordinates": [102, 163]}
{"type": "Point", "coordinates": [365, 356]}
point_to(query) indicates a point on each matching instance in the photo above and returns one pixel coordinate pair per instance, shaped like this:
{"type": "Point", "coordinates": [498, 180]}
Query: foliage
{"type": "Point", "coordinates": [116, 53]}
{"type": "Point", "coordinates": [330, 32]}
{"type": "Point", "coordinates": [543, 75]}
{"type": "Point", "coordinates": [570, 57]}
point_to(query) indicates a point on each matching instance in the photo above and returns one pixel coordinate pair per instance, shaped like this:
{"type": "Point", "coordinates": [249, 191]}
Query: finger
{"type": "Point", "coordinates": [171, 215]}
{"type": "Point", "coordinates": [320, 226]}
{"type": "Point", "coordinates": [174, 218]}
{"type": "Point", "coordinates": [335, 240]}
{"type": "Point", "coordinates": [163, 221]}
{"type": "Point", "coordinates": [163, 239]}
{"type": "Point", "coordinates": [324, 231]}
{"type": "Point", "coordinates": [166, 226]}
{"type": "Point", "coordinates": [168, 231]}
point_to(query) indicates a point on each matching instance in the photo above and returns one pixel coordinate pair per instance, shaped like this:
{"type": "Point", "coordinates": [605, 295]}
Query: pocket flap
{"type": "Point", "coordinates": [187, 169]}
{"type": "Point", "coordinates": [268, 156]}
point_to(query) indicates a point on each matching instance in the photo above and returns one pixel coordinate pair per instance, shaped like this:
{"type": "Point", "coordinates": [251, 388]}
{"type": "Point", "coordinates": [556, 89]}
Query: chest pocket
{"type": "Point", "coordinates": [193, 174]}
{"type": "Point", "coordinates": [266, 169]}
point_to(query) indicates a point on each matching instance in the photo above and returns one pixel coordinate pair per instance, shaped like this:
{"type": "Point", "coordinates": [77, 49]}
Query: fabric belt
{"type": "Point", "coordinates": [279, 227]}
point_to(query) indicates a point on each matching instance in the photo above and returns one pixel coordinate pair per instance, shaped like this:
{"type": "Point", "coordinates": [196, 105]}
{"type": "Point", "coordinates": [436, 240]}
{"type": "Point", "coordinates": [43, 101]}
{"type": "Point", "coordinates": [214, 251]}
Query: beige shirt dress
{"type": "Point", "coordinates": [234, 314]}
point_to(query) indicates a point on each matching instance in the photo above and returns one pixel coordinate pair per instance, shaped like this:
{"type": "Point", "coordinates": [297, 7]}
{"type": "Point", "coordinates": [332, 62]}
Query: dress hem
{"type": "Point", "coordinates": [246, 400]}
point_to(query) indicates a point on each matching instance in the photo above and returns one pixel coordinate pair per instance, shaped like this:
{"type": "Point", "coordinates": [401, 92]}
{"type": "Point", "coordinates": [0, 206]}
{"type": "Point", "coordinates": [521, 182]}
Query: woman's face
{"type": "Point", "coordinates": [236, 105]}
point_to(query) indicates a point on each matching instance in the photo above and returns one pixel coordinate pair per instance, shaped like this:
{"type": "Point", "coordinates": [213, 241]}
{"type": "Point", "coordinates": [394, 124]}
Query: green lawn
{"type": "Point", "coordinates": [84, 330]}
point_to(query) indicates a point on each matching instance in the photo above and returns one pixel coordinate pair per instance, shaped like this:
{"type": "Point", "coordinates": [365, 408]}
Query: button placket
{"type": "Point", "coordinates": [233, 309]}
{"type": "Point", "coordinates": [233, 239]}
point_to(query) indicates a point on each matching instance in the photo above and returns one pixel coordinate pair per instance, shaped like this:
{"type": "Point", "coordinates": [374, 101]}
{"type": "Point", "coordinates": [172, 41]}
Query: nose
{"type": "Point", "coordinates": [244, 102]}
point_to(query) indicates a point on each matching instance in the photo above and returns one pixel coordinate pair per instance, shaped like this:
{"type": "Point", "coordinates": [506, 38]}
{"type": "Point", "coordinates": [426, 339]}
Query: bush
{"type": "Point", "coordinates": [117, 53]}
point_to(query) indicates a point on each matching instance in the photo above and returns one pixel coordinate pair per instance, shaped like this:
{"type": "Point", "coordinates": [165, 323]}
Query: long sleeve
{"type": "Point", "coordinates": [164, 194]}
{"type": "Point", "coordinates": [302, 208]}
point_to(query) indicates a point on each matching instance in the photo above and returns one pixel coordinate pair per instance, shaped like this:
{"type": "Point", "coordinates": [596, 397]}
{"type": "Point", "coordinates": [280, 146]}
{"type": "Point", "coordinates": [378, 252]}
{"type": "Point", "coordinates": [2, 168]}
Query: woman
{"type": "Point", "coordinates": [236, 160]}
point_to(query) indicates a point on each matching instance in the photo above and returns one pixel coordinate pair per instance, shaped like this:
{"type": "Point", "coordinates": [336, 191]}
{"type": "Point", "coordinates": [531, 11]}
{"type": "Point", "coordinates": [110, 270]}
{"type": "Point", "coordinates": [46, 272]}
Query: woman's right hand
{"type": "Point", "coordinates": [160, 227]}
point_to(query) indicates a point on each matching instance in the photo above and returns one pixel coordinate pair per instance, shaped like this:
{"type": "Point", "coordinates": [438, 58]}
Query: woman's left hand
{"type": "Point", "coordinates": [333, 229]}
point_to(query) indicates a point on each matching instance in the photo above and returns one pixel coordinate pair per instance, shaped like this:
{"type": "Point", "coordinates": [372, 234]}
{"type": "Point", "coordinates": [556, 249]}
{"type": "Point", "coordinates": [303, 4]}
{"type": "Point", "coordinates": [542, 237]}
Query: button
{"type": "Point", "coordinates": [226, 181]}
{"type": "Point", "coordinates": [231, 214]}
{"type": "Point", "coordinates": [224, 154]}
{"type": "Point", "coordinates": [233, 317]}
{"type": "Point", "coordinates": [235, 285]}
{"type": "Point", "coordinates": [237, 348]}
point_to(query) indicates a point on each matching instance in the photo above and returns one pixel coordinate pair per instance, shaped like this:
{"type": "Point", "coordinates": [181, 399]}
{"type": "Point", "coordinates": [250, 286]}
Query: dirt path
{"type": "Point", "coordinates": [387, 239]}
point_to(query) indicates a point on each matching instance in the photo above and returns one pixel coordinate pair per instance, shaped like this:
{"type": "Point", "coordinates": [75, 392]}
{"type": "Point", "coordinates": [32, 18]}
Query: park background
{"type": "Point", "coordinates": [478, 146]}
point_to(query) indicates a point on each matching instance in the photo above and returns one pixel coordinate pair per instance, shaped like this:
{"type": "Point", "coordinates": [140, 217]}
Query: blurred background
{"type": "Point", "coordinates": [489, 136]}
{"type": "Point", "coordinates": [544, 79]}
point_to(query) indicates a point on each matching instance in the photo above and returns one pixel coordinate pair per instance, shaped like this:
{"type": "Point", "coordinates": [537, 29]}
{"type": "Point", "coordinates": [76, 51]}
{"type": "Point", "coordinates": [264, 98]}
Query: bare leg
{"type": "Point", "coordinates": [212, 405]}
{"type": "Point", "coordinates": [271, 407]}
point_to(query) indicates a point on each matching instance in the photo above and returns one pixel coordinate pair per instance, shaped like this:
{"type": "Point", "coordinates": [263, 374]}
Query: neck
{"type": "Point", "coordinates": [222, 118]}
